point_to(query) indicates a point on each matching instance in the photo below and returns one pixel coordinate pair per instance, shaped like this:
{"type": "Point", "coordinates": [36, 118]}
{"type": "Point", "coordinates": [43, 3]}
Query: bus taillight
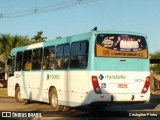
{"type": "Point", "coordinates": [95, 84]}
{"type": "Point", "coordinates": [146, 85]}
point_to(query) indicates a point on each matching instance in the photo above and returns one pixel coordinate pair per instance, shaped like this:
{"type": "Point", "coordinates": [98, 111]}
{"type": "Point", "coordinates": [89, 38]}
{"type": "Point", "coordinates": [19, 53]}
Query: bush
{"type": "Point", "coordinates": [156, 68]}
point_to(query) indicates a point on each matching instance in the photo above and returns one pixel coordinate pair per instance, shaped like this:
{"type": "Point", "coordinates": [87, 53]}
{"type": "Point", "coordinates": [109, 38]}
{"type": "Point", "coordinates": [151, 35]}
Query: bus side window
{"type": "Point", "coordinates": [75, 47]}
{"type": "Point", "coordinates": [66, 56]}
{"type": "Point", "coordinates": [59, 56]}
{"type": "Point", "coordinates": [79, 55]}
{"type": "Point", "coordinates": [49, 58]}
{"type": "Point", "coordinates": [27, 59]}
{"type": "Point", "coordinates": [19, 61]}
{"type": "Point", "coordinates": [84, 54]}
{"type": "Point", "coordinates": [62, 56]}
{"type": "Point", "coordinates": [59, 63]}
{"type": "Point", "coordinates": [37, 59]}
{"type": "Point", "coordinates": [11, 65]}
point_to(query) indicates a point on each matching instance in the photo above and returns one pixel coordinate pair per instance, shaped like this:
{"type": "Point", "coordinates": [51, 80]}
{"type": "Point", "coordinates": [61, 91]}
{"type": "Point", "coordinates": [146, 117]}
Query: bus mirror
{"type": "Point", "coordinates": [9, 61]}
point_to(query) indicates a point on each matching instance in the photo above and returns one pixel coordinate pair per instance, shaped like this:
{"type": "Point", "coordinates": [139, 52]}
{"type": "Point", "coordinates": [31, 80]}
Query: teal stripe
{"type": "Point", "coordinates": [121, 64]}
{"type": "Point", "coordinates": [24, 85]}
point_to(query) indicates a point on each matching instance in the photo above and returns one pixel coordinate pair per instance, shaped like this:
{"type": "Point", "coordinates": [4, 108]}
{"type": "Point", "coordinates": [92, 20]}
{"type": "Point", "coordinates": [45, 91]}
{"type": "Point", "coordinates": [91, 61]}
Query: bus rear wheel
{"type": "Point", "coordinates": [53, 99]}
{"type": "Point", "coordinates": [18, 96]}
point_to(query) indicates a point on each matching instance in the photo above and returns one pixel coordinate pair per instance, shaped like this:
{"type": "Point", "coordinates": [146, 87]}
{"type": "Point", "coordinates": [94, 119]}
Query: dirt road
{"type": "Point", "coordinates": [9, 104]}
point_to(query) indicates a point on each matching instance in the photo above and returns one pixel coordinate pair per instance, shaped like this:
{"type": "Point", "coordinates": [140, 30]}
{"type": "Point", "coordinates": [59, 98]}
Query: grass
{"type": "Point", "coordinates": [3, 92]}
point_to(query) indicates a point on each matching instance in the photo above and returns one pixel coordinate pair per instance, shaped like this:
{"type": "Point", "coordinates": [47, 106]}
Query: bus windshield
{"type": "Point", "coordinates": [121, 45]}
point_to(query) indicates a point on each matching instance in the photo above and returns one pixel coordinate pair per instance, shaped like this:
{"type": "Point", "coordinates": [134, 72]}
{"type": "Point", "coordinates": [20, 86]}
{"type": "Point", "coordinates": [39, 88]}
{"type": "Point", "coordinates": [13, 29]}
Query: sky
{"type": "Point", "coordinates": [27, 17]}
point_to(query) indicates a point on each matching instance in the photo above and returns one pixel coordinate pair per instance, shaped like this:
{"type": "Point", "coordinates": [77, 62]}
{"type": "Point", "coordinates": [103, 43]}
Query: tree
{"type": "Point", "coordinates": [155, 67]}
{"type": "Point", "coordinates": [8, 42]}
{"type": "Point", "coordinates": [39, 37]}
{"type": "Point", "coordinates": [155, 55]}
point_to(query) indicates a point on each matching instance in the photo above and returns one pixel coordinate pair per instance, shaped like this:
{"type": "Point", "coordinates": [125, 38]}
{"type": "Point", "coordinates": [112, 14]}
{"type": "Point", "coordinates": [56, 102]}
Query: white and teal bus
{"type": "Point", "coordinates": [94, 68]}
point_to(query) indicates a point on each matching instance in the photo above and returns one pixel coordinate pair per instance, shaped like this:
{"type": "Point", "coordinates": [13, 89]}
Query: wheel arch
{"type": "Point", "coordinates": [51, 88]}
{"type": "Point", "coordinates": [17, 85]}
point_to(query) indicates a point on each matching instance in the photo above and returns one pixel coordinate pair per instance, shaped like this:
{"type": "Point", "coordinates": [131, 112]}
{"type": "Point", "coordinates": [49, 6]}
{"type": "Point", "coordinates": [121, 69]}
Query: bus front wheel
{"type": "Point", "coordinates": [53, 98]}
{"type": "Point", "coordinates": [18, 96]}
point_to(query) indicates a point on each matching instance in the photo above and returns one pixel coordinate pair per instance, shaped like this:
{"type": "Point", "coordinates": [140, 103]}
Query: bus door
{"type": "Point", "coordinates": [26, 84]}
{"type": "Point", "coordinates": [26, 74]}
{"type": "Point", "coordinates": [36, 75]}
{"type": "Point", "coordinates": [10, 75]}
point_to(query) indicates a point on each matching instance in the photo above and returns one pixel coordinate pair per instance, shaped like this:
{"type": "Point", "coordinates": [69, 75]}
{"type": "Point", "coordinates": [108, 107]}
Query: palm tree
{"type": "Point", "coordinates": [8, 42]}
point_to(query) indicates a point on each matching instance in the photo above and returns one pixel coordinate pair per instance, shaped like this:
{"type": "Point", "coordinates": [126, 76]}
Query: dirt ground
{"type": "Point", "coordinates": [3, 92]}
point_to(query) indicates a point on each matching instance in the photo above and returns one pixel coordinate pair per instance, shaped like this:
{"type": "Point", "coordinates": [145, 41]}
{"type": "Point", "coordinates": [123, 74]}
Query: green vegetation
{"type": "Point", "coordinates": [155, 67]}
{"type": "Point", "coordinates": [8, 42]}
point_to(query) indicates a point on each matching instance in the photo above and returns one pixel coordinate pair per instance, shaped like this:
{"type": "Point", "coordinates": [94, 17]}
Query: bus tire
{"type": "Point", "coordinates": [53, 100]}
{"type": "Point", "coordinates": [18, 96]}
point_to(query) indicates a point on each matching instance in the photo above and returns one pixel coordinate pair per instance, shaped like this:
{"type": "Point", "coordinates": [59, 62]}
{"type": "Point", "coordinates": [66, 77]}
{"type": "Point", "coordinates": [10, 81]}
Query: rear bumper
{"type": "Point", "coordinates": [118, 98]}
{"type": "Point", "coordinates": [130, 97]}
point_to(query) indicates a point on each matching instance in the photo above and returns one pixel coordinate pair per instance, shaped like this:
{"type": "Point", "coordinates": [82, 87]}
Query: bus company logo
{"type": "Point", "coordinates": [50, 76]}
{"type": "Point", "coordinates": [101, 77]}
{"type": "Point", "coordinates": [115, 77]}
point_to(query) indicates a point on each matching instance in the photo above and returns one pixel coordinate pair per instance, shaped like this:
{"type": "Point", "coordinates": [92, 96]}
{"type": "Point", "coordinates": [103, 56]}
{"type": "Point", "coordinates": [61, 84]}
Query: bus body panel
{"type": "Point", "coordinates": [121, 81]}
{"type": "Point", "coordinates": [11, 86]}
{"type": "Point", "coordinates": [121, 64]}
{"type": "Point", "coordinates": [65, 83]}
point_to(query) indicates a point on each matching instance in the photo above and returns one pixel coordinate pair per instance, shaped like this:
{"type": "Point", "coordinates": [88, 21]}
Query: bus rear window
{"type": "Point", "coordinates": [121, 45]}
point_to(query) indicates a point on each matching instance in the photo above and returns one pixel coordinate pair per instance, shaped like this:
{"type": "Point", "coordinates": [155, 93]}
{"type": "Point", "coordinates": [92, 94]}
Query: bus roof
{"type": "Point", "coordinates": [120, 32]}
{"type": "Point", "coordinates": [83, 36]}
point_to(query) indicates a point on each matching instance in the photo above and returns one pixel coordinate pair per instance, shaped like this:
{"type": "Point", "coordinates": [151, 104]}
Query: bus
{"type": "Point", "coordinates": [91, 69]}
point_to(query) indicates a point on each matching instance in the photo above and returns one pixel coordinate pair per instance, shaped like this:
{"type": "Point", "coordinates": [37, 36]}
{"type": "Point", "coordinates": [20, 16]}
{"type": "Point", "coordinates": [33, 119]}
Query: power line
{"type": "Point", "coordinates": [50, 8]}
